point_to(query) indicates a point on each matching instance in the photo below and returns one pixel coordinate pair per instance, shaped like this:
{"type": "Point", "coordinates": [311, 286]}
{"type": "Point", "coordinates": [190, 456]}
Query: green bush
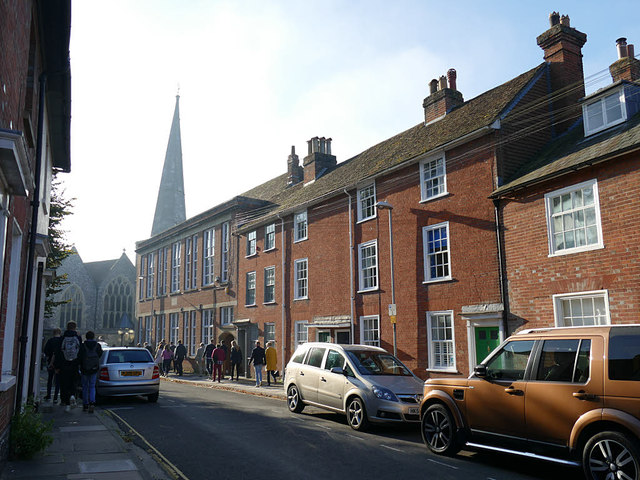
{"type": "Point", "coordinates": [29, 434]}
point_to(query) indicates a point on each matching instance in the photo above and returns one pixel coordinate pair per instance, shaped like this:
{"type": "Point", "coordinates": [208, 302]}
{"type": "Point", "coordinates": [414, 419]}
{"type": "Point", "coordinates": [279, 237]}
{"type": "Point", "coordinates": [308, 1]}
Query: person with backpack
{"type": "Point", "coordinates": [65, 362]}
{"type": "Point", "coordinates": [89, 356]}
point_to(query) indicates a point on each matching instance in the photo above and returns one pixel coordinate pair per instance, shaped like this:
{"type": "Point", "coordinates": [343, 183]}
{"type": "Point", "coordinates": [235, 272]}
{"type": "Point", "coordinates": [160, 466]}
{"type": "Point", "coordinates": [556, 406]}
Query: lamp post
{"type": "Point", "coordinates": [382, 205]}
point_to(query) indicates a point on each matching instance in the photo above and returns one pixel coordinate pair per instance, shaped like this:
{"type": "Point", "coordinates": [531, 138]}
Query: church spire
{"type": "Point", "coordinates": [170, 209]}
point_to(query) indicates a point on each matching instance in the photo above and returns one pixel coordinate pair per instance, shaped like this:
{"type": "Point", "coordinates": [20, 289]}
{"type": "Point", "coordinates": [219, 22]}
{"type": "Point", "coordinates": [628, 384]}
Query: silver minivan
{"type": "Point", "coordinates": [367, 384]}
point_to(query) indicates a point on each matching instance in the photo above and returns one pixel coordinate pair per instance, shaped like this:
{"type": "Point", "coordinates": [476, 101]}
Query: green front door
{"type": "Point", "coordinates": [487, 339]}
{"type": "Point", "coordinates": [324, 336]}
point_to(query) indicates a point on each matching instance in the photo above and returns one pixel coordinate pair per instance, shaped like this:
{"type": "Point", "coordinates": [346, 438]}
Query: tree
{"type": "Point", "coordinates": [60, 207]}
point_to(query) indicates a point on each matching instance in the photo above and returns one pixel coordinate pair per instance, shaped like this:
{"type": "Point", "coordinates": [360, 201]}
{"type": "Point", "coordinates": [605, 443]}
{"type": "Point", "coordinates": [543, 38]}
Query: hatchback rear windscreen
{"type": "Point", "coordinates": [129, 356]}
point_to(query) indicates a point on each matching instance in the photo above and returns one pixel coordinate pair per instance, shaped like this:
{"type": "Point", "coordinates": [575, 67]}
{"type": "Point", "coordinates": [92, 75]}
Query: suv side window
{"type": "Point", "coordinates": [315, 357]}
{"type": "Point", "coordinates": [624, 354]}
{"type": "Point", "coordinates": [564, 361]}
{"type": "Point", "coordinates": [511, 362]}
{"type": "Point", "coordinates": [334, 359]}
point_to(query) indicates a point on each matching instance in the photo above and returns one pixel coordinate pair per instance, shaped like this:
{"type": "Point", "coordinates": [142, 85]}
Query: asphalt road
{"type": "Point", "coordinates": [214, 434]}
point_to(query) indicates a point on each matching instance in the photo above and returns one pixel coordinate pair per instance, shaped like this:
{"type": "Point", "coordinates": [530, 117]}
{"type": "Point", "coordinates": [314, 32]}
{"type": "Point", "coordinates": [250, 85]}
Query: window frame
{"type": "Point", "coordinates": [269, 284]}
{"type": "Point", "coordinates": [224, 257]}
{"type": "Point", "coordinates": [299, 332]}
{"type": "Point", "coordinates": [252, 243]}
{"type": "Point", "coordinates": [269, 332]}
{"type": "Point", "coordinates": [548, 203]}
{"type": "Point", "coordinates": [297, 223]}
{"type": "Point", "coordinates": [376, 328]}
{"type": "Point", "coordinates": [431, 342]}
{"type": "Point", "coordinates": [601, 101]}
{"type": "Point", "coordinates": [362, 217]}
{"type": "Point", "coordinates": [270, 237]}
{"type": "Point", "coordinates": [425, 167]}
{"type": "Point", "coordinates": [208, 256]}
{"type": "Point", "coordinates": [250, 284]}
{"type": "Point", "coordinates": [361, 269]}
{"type": "Point", "coordinates": [427, 255]}
{"type": "Point", "coordinates": [176, 248]}
{"type": "Point", "coordinates": [226, 316]}
{"type": "Point", "coordinates": [207, 322]}
{"type": "Point", "coordinates": [296, 281]}
{"type": "Point", "coordinates": [151, 263]}
{"type": "Point", "coordinates": [558, 309]}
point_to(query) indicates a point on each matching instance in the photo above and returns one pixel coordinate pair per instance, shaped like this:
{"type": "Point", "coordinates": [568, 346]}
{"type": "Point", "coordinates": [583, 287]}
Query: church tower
{"type": "Point", "coordinates": [170, 209]}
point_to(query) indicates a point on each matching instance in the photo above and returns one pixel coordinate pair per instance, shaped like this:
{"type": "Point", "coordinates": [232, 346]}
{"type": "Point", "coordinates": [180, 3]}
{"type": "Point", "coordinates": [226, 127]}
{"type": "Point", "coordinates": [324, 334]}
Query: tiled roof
{"type": "Point", "coordinates": [573, 150]}
{"type": "Point", "coordinates": [479, 112]}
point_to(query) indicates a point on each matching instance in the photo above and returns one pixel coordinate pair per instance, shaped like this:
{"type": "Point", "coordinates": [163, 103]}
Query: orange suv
{"type": "Point", "coordinates": [570, 395]}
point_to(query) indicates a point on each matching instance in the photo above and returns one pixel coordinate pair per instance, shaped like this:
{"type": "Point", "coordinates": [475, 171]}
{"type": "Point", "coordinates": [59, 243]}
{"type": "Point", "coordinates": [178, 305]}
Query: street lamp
{"type": "Point", "coordinates": [382, 205]}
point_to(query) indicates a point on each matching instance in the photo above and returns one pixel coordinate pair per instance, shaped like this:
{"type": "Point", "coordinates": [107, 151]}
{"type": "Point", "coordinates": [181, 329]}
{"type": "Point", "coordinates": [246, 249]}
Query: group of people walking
{"type": "Point", "coordinates": [68, 359]}
{"type": "Point", "coordinates": [168, 356]}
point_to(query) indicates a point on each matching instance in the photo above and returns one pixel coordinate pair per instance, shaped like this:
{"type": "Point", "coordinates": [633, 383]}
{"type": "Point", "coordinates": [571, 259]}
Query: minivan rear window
{"type": "Point", "coordinates": [624, 354]}
{"type": "Point", "coordinates": [129, 356]}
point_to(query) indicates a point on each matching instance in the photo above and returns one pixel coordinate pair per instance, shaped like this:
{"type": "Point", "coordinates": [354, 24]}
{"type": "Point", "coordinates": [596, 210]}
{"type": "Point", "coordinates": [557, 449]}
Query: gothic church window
{"type": "Point", "coordinates": [71, 311]}
{"type": "Point", "coordinates": [117, 300]}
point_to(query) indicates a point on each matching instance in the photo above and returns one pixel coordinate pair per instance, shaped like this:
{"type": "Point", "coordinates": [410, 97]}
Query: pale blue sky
{"type": "Point", "coordinates": [257, 77]}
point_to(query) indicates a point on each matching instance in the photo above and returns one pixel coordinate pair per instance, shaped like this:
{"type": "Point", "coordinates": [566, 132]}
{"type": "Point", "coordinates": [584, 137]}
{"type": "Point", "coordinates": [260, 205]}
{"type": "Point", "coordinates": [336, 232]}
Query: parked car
{"type": "Point", "coordinates": [564, 394]}
{"type": "Point", "coordinates": [365, 383]}
{"type": "Point", "coordinates": [128, 371]}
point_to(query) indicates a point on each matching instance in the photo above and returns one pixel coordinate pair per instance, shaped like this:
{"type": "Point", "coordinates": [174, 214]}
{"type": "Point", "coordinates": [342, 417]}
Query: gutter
{"type": "Point", "coordinates": [501, 268]}
{"type": "Point", "coordinates": [351, 279]}
{"type": "Point", "coordinates": [284, 306]}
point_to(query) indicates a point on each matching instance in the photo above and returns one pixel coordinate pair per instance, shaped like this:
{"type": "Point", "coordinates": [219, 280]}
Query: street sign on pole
{"type": "Point", "coordinates": [392, 309]}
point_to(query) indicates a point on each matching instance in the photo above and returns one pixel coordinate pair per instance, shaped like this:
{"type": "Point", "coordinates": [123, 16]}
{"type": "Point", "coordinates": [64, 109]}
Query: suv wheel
{"type": "Point", "coordinates": [439, 430]}
{"type": "Point", "coordinates": [611, 455]}
{"type": "Point", "coordinates": [357, 415]}
{"type": "Point", "coordinates": [294, 402]}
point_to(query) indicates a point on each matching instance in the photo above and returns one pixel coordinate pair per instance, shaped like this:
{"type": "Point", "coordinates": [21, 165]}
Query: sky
{"type": "Point", "coordinates": [258, 77]}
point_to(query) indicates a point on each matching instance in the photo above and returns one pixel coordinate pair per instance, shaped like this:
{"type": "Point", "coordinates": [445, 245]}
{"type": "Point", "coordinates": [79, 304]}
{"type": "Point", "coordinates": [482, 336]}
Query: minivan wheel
{"type": "Point", "coordinates": [611, 455]}
{"type": "Point", "coordinates": [439, 430]}
{"type": "Point", "coordinates": [294, 402]}
{"type": "Point", "coordinates": [357, 415]}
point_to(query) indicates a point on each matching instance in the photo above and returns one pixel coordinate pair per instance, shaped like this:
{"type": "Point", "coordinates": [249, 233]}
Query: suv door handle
{"type": "Point", "coordinates": [512, 391]}
{"type": "Point", "coordinates": [322, 379]}
{"type": "Point", "coordinates": [582, 395]}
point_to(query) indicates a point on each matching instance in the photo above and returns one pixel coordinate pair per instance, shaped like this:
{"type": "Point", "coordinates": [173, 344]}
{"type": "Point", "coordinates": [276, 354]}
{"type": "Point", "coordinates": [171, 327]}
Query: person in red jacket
{"type": "Point", "coordinates": [218, 357]}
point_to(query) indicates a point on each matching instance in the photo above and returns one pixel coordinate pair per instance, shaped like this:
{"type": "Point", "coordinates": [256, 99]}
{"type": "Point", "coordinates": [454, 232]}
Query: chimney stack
{"type": "Point", "coordinates": [627, 67]}
{"type": "Point", "coordinates": [293, 168]}
{"type": "Point", "coordinates": [562, 46]}
{"type": "Point", "coordinates": [443, 97]}
{"type": "Point", "coordinates": [319, 159]}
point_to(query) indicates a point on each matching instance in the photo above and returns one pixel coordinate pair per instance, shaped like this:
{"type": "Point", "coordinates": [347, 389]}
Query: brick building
{"type": "Point", "coordinates": [570, 218]}
{"type": "Point", "coordinates": [35, 115]}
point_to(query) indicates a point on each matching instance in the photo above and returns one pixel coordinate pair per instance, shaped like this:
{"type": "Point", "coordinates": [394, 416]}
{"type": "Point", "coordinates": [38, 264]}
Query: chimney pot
{"type": "Point", "coordinates": [433, 86]}
{"type": "Point", "coordinates": [442, 83]}
{"type": "Point", "coordinates": [564, 20]}
{"type": "Point", "coordinates": [630, 51]}
{"type": "Point", "coordinates": [621, 43]}
{"type": "Point", "coordinates": [451, 77]}
{"type": "Point", "coordinates": [554, 18]}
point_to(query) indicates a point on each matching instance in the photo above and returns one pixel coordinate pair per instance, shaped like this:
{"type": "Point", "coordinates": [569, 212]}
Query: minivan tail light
{"type": "Point", "coordinates": [156, 372]}
{"type": "Point", "coordinates": [104, 373]}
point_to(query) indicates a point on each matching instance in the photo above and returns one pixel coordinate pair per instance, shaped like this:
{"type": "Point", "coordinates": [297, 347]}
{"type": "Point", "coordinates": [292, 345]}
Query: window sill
{"type": "Point", "coordinates": [300, 298]}
{"type": "Point", "coordinates": [571, 251]}
{"type": "Point", "coordinates": [270, 303]}
{"type": "Point", "coordinates": [437, 280]}
{"type": "Point", "coordinates": [300, 240]}
{"type": "Point", "coordinates": [370, 290]}
{"type": "Point", "coordinates": [255, 254]}
{"type": "Point", "coordinates": [363, 220]}
{"type": "Point", "coordinates": [7, 382]}
{"type": "Point", "coordinates": [435, 197]}
{"type": "Point", "coordinates": [251, 305]}
{"type": "Point", "coordinates": [442, 370]}
{"type": "Point", "coordinates": [269, 249]}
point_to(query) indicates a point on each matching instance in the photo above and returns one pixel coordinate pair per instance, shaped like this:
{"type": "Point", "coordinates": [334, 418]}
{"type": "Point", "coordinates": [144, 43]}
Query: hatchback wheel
{"type": "Point", "coordinates": [611, 455]}
{"type": "Point", "coordinates": [439, 431]}
{"type": "Point", "coordinates": [357, 415]}
{"type": "Point", "coordinates": [294, 402]}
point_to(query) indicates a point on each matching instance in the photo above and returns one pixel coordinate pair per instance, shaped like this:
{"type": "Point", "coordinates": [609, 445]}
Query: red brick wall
{"type": "Point", "coordinates": [534, 277]}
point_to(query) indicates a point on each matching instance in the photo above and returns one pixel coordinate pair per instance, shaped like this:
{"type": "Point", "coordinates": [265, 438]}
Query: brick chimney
{"type": "Point", "coordinates": [443, 97]}
{"type": "Point", "coordinates": [319, 160]}
{"type": "Point", "coordinates": [627, 67]}
{"type": "Point", "coordinates": [293, 168]}
{"type": "Point", "coordinates": [562, 47]}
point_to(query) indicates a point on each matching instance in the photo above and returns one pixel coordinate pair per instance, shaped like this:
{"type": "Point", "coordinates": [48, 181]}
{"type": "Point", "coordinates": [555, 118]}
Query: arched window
{"type": "Point", "coordinates": [71, 311]}
{"type": "Point", "coordinates": [118, 299]}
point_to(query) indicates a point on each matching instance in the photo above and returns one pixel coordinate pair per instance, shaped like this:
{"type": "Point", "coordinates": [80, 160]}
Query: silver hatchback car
{"type": "Point", "coordinates": [367, 384]}
{"type": "Point", "coordinates": [128, 371]}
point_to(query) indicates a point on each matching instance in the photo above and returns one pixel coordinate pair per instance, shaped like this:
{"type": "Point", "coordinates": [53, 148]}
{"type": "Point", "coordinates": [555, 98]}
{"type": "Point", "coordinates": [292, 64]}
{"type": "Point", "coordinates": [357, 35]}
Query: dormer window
{"type": "Point", "coordinates": [604, 112]}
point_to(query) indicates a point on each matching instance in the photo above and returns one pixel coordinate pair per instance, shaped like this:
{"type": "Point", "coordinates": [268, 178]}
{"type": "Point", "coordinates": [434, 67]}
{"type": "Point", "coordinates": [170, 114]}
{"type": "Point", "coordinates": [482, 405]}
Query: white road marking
{"type": "Point", "coordinates": [391, 448]}
{"type": "Point", "coordinates": [353, 436]}
{"type": "Point", "coordinates": [121, 408]}
{"type": "Point", "coordinates": [443, 464]}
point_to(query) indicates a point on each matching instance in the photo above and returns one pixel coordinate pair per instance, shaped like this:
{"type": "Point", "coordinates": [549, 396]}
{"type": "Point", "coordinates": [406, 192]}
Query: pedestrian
{"type": "Point", "coordinates": [53, 379]}
{"type": "Point", "coordinates": [158, 357]}
{"type": "Point", "coordinates": [148, 347]}
{"type": "Point", "coordinates": [65, 361]}
{"type": "Point", "coordinates": [167, 356]}
{"type": "Point", "coordinates": [258, 360]}
{"type": "Point", "coordinates": [236, 359]}
{"type": "Point", "coordinates": [225, 366]}
{"type": "Point", "coordinates": [180, 354]}
{"type": "Point", "coordinates": [172, 347]}
{"type": "Point", "coordinates": [272, 362]}
{"type": "Point", "coordinates": [218, 360]}
{"type": "Point", "coordinates": [89, 356]}
{"type": "Point", "coordinates": [200, 359]}
{"type": "Point", "coordinates": [208, 351]}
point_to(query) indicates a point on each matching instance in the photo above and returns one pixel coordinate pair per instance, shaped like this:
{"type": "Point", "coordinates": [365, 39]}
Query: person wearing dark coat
{"type": "Point", "coordinates": [258, 359]}
{"type": "Point", "coordinates": [179, 356]}
{"type": "Point", "coordinates": [236, 359]}
{"type": "Point", "coordinates": [208, 351]}
{"type": "Point", "coordinates": [53, 379]}
{"type": "Point", "coordinates": [67, 369]}
{"type": "Point", "coordinates": [87, 356]}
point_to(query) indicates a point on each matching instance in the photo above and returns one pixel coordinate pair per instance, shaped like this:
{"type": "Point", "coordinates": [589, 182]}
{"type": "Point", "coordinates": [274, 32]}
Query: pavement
{"type": "Point", "coordinates": [100, 446]}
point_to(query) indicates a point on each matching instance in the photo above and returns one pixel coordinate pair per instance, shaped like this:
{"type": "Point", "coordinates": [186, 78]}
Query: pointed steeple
{"type": "Point", "coordinates": [170, 209]}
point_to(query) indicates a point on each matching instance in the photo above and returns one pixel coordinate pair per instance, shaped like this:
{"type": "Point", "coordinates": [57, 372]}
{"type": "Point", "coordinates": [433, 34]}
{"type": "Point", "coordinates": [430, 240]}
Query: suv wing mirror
{"type": "Point", "coordinates": [337, 370]}
{"type": "Point", "coordinates": [480, 371]}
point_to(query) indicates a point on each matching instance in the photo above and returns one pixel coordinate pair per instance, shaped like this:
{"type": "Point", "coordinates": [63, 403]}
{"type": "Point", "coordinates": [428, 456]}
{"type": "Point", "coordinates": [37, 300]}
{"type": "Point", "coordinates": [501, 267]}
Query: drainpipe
{"type": "Point", "coordinates": [283, 309]}
{"type": "Point", "coordinates": [35, 203]}
{"type": "Point", "coordinates": [351, 280]}
{"type": "Point", "coordinates": [502, 274]}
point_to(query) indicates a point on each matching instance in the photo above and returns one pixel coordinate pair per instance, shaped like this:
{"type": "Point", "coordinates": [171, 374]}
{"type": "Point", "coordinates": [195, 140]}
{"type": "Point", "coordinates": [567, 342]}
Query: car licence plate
{"type": "Point", "coordinates": [414, 410]}
{"type": "Point", "coordinates": [130, 373]}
